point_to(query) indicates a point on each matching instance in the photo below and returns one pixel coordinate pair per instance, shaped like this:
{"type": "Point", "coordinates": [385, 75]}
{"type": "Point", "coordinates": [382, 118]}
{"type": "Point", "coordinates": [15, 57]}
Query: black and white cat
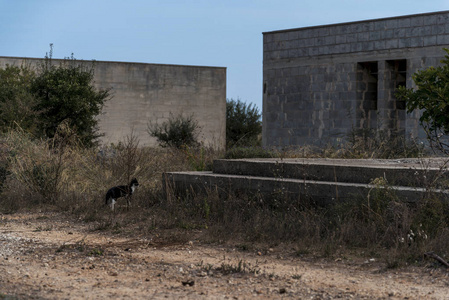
{"type": "Point", "coordinates": [121, 191]}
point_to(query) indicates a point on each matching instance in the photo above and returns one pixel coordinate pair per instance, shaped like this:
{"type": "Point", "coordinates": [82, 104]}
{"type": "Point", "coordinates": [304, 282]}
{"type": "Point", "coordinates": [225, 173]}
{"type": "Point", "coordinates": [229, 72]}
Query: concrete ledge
{"type": "Point", "coordinates": [405, 172]}
{"type": "Point", "coordinates": [321, 192]}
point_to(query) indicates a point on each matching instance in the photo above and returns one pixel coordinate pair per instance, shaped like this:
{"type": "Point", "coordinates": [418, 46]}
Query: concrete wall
{"type": "Point", "coordinates": [151, 92]}
{"type": "Point", "coordinates": [321, 82]}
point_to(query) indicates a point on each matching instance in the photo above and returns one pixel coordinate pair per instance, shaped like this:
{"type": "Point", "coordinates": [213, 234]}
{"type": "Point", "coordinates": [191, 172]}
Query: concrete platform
{"type": "Point", "coordinates": [401, 172]}
{"type": "Point", "coordinates": [321, 180]}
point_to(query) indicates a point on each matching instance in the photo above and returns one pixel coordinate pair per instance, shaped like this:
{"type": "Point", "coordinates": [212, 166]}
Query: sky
{"type": "Point", "coordinates": [223, 33]}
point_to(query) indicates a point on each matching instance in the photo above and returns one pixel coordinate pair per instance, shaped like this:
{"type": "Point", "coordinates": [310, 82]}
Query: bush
{"type": "Point", "coordinates": [243, 124]}
{"type": "Point", "coordinates": [177, 132]}
{"type": "Point", "coordinates": [66, 93]}
{"type": "Point", "coordinates": [39, 165]}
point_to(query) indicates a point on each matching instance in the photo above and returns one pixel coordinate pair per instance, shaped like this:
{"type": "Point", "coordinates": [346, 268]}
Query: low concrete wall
{"type": "Point", "coordinates": [317, 181]}
{"type": "Point", "coordinates": [152, 92]}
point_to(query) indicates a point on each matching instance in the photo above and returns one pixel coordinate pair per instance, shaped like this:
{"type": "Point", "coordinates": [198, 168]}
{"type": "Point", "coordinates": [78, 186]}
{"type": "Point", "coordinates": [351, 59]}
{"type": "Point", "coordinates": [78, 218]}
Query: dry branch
{"type": "Point", "coordinates": [438, 258]}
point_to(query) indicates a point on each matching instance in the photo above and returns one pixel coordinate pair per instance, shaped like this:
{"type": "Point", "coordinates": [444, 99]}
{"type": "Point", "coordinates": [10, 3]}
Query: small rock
{"type": "Point", "coordinates": [188, 282]}
{"type": "Point", "coordinates": [113, 273]}
{"type": "Point", "coordinates": [282, 291]}
{"type": "Point", "coordinates": [202, 274]}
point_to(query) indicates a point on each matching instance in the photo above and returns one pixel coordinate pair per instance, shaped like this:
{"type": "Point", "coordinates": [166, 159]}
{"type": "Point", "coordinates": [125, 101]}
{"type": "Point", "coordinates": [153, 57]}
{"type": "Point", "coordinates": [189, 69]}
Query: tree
{"type": "Point", "coordinates": [431, 96]}
{"type": "Point", "coordinates": [243, 124]}
{"type": "Point", "coordinates": [43, 99]}
{"type": "Point", "coordinates": [65, 93]}
{"type": "Point", "coordinates": [16, 99]}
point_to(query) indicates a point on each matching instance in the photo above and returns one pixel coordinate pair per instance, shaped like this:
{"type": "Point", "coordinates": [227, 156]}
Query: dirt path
{"type": "Point", "coordinates": [45, 257]}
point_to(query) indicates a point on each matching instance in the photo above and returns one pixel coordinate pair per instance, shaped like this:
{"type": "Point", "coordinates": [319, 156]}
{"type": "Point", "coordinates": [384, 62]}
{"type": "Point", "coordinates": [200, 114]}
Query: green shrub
{"type": "Point", "coordinates": [243, 124]}
{"type": "Point", "coordinates": [66, 93]}
{"type": "Point", "coordinates": [177, 132]}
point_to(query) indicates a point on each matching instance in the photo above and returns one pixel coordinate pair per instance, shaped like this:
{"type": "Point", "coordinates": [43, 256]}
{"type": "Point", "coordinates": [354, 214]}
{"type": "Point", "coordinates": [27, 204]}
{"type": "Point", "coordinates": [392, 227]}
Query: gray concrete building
{"type": "Point", "coordinates": [321, 82]}
{"type": "Point", "coordinates": [144, 93]}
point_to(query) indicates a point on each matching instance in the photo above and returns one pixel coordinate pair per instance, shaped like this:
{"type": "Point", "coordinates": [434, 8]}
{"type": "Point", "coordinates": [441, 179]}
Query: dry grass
{"type": "Point", "coordinates": [61, 175]}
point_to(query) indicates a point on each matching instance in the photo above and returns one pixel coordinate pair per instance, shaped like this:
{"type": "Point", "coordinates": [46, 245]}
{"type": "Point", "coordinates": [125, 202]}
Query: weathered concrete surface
{"type": "Point", "coordinates": [398, 172]}
{"type": "Point", "coordinates": [322, 82]}
{"type": "Point", "coordinates": [144, 93]}
{"type": "Point", "coordinates": [323, 181]}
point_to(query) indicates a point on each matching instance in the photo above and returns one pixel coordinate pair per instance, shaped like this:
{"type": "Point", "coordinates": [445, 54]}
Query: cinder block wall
{"type": "Point", "coordinates": [322, 82]}
{"type": "Point", "coordinates": [152, 92]}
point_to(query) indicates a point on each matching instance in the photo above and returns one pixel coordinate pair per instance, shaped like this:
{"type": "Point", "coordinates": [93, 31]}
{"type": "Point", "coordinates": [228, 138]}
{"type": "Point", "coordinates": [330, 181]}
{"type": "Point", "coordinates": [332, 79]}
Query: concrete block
{"type": "Point", "coordinates": [442, 18]}
{"type": "Point", "coordinates": [375, 35]}
{"type": "Point", "coordinates": [379, 45]}
{"type": "Point", "coordinates": [404, 22]}
{"type": "Point", "coordinates": [429, 41]}
{"type": "Point", "coordinates": [438, 29]}
{"type": "Point", "coordinates": [430, 20]}
{"type": "Point", "coordinates": [391, 44]}
{"type": "Point", "coordinates": [443, 39]}
{"type": "Point", "coordinates": [363, 36]}
{"type": "Point", "coordinates": [367, 46]}
{"type": "Point", "coordinates": [417, 21]}
{"type": "Point", "coordinates": [293, 35]}
{"type": "Point", "coordinates": [399, 32]}
{"type": "Point", "coordinates": [404, 43]}
{"type": "Point", "coordinates": [352, 38]}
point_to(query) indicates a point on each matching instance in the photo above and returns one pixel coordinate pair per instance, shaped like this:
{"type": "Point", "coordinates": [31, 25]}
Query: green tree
{"type": "Point", "coordinates": [243, 124]}
{"type": "Point", "coordinates": [43, 99]}
{"type": "Point", "coordinates": [65, 93]}
{"type": "Point", "coordinates": [16, 99]}
{"type": "Point", "coordinates": [431, 97]}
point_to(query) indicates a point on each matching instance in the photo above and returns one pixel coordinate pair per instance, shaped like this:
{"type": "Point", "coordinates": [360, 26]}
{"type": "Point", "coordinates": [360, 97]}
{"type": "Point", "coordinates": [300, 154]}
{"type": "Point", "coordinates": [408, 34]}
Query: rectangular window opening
{"type": "Point", "coordinates": [398, 78]}
{"type": "Point", "coordinates": [367, 84]}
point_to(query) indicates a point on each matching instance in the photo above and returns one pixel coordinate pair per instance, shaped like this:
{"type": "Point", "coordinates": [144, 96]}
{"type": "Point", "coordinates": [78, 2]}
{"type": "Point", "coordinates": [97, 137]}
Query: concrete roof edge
{"type": "Point", "coordinates": [117, 62]}
{"type": "Point", "coordinates": [357, 22]}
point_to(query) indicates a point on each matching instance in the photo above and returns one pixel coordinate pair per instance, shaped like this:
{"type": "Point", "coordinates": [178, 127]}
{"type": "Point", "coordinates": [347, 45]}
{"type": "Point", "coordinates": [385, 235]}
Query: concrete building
{"type": "Point", "coordinates": [321, 82]}
{"type": "Point", "coordinates": [144, 93]}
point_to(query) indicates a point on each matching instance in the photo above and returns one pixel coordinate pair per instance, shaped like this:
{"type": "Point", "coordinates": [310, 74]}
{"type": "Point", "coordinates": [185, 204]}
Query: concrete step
{"type": "Point", "coordinates": [321, 192]}
{"type": "Point", "coordinates": [322, 180]}
{"type": "Point", "coordinates": [398, 172]}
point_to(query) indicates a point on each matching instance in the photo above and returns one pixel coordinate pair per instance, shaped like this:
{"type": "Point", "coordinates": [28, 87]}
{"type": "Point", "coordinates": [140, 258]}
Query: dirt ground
{"type": "Point", "coordinates": [51, 256]}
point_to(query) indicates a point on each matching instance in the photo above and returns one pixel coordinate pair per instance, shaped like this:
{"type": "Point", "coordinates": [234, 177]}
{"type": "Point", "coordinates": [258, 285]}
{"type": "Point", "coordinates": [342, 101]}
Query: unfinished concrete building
{"type": "Point", "coordinates": [322, 82]}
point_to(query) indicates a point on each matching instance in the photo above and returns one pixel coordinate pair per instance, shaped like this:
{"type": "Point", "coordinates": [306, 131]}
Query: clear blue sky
{"type": "Point", "coordinates": [225, 33]}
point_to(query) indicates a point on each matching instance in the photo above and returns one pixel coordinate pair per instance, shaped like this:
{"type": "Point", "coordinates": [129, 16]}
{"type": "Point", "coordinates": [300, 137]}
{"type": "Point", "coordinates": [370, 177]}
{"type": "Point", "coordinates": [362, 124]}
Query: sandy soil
{"type": "Point", "coordinates": [49, 256]}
